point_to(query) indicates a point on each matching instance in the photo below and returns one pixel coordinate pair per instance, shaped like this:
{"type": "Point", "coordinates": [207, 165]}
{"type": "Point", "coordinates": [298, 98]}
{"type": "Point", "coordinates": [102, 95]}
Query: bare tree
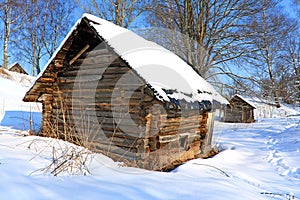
{"type": "Point", "coordinates": [49, 22]}
{"type": "Point", "coordinates": [58, 20]}
{"type": "Point", "coordinates": [12, 15]}
{"type": "Point", "coordinates": [120, 12]}
{"type": "Point", "coordinates": [270, 29]}
{"type": "Point", "coordinates": [209, 31]}
{"type": "Point", "coordinates": [290, 65]}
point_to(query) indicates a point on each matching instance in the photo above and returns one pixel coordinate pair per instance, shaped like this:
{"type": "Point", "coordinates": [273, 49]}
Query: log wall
{"type": "Point", "coordinates": [239, 112]}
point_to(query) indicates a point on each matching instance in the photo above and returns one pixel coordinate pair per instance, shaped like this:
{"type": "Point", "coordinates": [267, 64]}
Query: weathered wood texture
{"type": "Point", "coordinates": [93, 98]}
{"type": "Point", "coordinates": [17, 68]}
{"type": "Point", "coordinates": [239, 111]}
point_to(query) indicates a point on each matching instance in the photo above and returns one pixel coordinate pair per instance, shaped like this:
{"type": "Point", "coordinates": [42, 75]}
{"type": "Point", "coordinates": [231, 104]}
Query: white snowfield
{"type": "Point", "coordinates": [13, 87]}
{"type": "Point", "coordinates": [13, 111]}
{"type": "Point", "coordinates": [259, 161]}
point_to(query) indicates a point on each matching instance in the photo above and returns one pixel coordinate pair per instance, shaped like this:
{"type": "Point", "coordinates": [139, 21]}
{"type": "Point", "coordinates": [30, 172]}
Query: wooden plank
{"type": "Point", "coordinates": [168, 138]}
{"type": "Point", "coordinates": [79, 54]}
{"type": "Point", "coordinates": [73, 76]}
{"type": "Point", "coordinates": [82, 72]}
{"type": "Point", "coordinates": [105, 58]}
{"type": "Point", "coordinates": [79, 65]}
{"type": "Point", "coordinates": [114, 133]}
{"type": "Point", "coordinates": [96, 52]}
{"type": "Point", "coordinates": [118, 95]}
{"type": "Point", "coordinates": [110, 149]}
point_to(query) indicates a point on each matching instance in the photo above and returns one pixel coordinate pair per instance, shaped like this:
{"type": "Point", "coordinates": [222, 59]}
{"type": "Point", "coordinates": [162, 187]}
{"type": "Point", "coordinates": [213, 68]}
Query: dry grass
{"type": "Point", "coordinates": [65, 158]}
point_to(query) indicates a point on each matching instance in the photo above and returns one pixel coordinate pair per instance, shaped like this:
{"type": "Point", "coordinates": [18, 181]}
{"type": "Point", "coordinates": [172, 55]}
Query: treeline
{"type": "Point", "coordinates": [240, 46]}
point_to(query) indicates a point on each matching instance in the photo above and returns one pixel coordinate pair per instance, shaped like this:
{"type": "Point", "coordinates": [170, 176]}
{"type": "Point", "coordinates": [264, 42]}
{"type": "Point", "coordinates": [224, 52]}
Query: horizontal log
{"type": "Point", "coordinates": [129, 136]}
{"type": "Point", "coordinates": [117, 113]}
{"type": "Point", "coordinates": [82, 72]}
{"type": "Point", "coordinates": [183, 121]}
{"type": "Point", "coordinates": [154, 132]}
{"type": "Point", "coordinates": [181, 129]}
{"type": "Point", "coordinates": [47, 79]}
{"type": "Point", "coordinates": [106, 65]}
{"type": "Point", "coordinates": [126, 123]}
{"type": "Point", "coordinates": [48, 73]}
{"type": "Point", "coordinates": [96, 52]}
{"type": "Point", "coordinates": [109, 149]}
{"type": "Point", "coordinates": [104, 91]}
{"type": "Point", "coordinates": [98, 134]}
{"type": "Point", "coordinates": [81, 77]}
{"type": "Point", "coordinates": [170, 118]}
{"type": "Point", "coordinates": [95, 94]}
{"type": "Point", "coordinates": [43, 84]}
{"type": "Point", "coordinates": [114, 103]}
{"type": "Point", "coordinates": [174, 145]}
{"type": "Point", "coordinates": [117, 69]}
{"type": "Point", "coordinates": [126, 129]}
{"type": "Point", "coordinates": [31, 97]}
{"type": "Point", "coordinates": [124, 142]}
{"type": "Point", "coordinates": [94, 82]}
{"type": "Point", "coordinates": [168, 138]}
{"type": "Point", "coordinates": [98, 59]}
{"type": "Point", "coordinates": [106, 71]}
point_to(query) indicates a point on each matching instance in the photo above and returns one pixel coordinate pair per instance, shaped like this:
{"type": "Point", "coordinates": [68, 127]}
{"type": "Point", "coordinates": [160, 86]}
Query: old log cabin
{"type": "Point", "coordinates": [16, 67]}
{"type": "Point", "coordinates": [240, 110]}
{"type": "Point", "coordinates": [114, 92]}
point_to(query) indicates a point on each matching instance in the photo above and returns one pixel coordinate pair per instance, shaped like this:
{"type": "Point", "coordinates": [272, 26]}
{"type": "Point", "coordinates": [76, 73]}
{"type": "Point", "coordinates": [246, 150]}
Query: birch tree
{"type": "Point", "coordinates": [12, 15]}
{"type": "Point", "coordinates": [49, 22]}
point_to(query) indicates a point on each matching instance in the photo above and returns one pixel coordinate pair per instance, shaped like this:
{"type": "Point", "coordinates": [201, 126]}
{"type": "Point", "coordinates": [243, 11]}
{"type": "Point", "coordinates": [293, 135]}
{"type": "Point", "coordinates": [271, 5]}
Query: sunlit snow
{"type": "Point", "coordinates": [260, 160]}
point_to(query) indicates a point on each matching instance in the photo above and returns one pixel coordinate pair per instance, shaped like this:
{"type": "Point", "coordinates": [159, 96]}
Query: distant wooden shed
{"type": "Point", "coordinates": [240, 110]}
{"type": "Point", "coordinates": [16, 67]}
{"type": "Point", "coordinates": [114, 92]}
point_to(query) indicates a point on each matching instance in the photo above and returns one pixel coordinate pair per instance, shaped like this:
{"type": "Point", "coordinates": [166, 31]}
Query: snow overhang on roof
{"type": "Point", "coordinates": [168, 75]}
{"type": "Point", "coordinates": [246, 100]}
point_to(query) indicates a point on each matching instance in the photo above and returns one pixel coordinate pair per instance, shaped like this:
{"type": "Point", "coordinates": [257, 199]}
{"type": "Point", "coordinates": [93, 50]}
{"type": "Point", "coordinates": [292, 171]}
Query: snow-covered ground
{"type": "Point", "coordinates": [13, 111]}
{"type": "Point", "coordinates": [259, 161]}
{"type": "Point", "coordinates": [265, 110]}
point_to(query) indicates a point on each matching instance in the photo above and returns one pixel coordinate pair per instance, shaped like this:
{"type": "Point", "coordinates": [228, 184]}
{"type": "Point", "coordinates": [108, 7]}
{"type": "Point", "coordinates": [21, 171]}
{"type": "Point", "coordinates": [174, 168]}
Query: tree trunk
{"type": "Point", "coordinates": [117, 5]}
{"type": "Point", "coordinates": [269, 62]}
{"type": "Point", "coordinates": [5, 48]}
{"type": "Point", "coordinates": [6, 36]}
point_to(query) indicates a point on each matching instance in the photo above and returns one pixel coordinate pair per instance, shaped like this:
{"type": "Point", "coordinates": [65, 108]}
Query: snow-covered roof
{"type": "Point", "coordinates": [245, 99]}
{"type": "Point", "coordinates": [16, 67]}
{"type": "Point", "coordinates": [167, 74]}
